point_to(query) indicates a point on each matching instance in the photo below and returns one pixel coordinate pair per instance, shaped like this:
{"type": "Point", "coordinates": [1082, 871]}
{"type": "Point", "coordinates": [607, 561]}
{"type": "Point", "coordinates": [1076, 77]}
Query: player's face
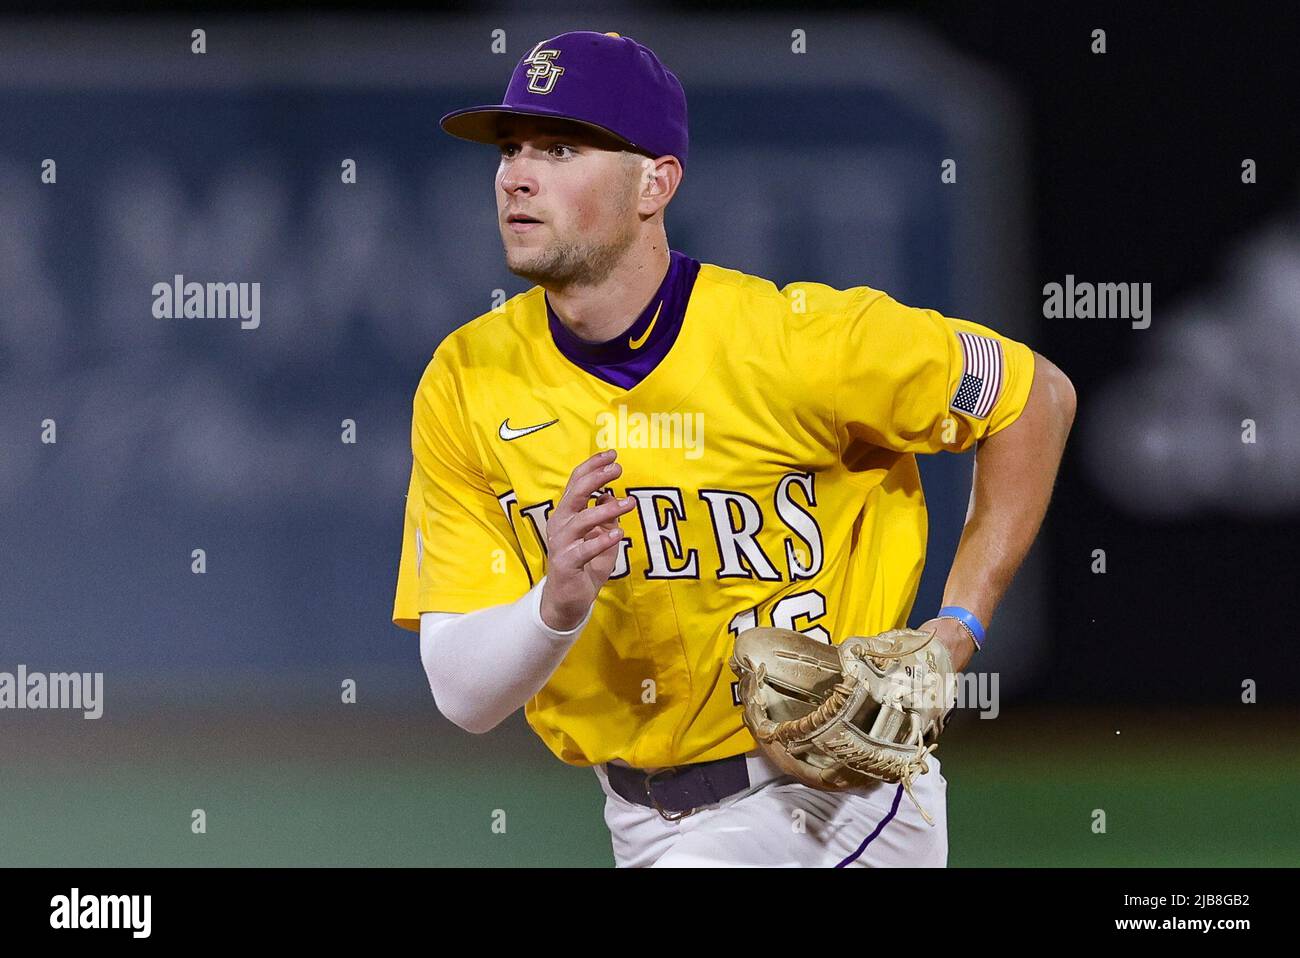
{"type": "Point", "coordinates": [578, 188]}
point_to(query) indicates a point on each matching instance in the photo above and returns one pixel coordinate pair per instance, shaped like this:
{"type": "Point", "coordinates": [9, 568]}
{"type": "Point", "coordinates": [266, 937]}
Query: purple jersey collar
{"type": "Point", "coordinates": [654, 332]}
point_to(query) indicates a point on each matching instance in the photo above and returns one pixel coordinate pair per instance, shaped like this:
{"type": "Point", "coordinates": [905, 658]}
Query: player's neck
{"type": "Point", "coordinates": [602, 312]}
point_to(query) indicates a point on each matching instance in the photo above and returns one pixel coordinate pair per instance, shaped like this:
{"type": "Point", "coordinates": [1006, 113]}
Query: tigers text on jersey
{"type": "Point", "coordinates": [771, 454]}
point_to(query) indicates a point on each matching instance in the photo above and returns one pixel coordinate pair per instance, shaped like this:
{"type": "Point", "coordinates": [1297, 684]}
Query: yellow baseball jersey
{"type": "Point", "coordinates": [771, 453]}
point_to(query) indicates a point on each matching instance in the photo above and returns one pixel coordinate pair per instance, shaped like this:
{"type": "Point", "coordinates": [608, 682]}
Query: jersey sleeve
{"type": "Point", "coordinates": [459, 552]}
{"type": "Point", "coordinates": [914, 380]}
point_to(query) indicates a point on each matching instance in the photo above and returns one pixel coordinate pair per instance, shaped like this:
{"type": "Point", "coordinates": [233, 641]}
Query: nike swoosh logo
{"type": "Point", "coordinates": [638, 343]}
{"type": "Point", "coordinates": [507, 433]}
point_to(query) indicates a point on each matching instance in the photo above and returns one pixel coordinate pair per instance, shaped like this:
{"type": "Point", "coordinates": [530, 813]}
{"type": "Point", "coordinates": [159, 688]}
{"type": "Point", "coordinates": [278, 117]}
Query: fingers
{"type": "Point", "coordinates": [604, 514]}
{"type": "Point", "coordinates": [600, 499]}
{"type": "Point", "coordinates": [585, 550]}
{"type": "Point", "coordinates": [589, 476]}
{"type": "Point", "coordinates": [578, 533]}
{"type": "Point", "coordinates": [585, 524]}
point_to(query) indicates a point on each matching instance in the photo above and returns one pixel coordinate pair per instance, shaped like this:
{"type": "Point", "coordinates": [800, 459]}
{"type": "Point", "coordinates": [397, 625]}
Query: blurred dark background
{"type": "Point", "coordinates": [175, 435]}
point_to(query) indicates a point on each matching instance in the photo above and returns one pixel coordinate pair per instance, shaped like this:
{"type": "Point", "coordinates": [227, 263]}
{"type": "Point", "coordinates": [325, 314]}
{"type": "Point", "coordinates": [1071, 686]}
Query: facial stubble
{"type": "Point", "coordinates": [562, 264]}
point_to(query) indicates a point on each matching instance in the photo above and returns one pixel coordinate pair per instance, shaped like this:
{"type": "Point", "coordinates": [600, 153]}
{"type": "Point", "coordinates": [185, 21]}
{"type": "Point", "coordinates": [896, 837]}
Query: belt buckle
{"type": "Point", "coordinates": [663, 812]}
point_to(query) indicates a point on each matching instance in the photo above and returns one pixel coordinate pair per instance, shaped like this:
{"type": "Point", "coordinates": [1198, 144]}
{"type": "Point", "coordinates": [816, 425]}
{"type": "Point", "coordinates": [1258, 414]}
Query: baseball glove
{"type": "Point", "coordinates": [837, 717]}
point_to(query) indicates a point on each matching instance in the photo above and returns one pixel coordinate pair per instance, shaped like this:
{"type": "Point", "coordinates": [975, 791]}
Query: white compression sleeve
{"type": "Point", "coordinates": [484, 665]}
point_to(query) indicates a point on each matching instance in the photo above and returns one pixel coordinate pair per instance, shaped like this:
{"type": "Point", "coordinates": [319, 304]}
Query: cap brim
{"type": "Point", "coordinates": [479, 123]}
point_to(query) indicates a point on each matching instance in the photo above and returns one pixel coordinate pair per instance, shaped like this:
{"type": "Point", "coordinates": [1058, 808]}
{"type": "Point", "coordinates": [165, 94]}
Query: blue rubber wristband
{"type": "Point", "coordinates": [968, 619]}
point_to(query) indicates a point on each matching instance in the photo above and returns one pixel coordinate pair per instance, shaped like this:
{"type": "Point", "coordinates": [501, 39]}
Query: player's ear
{"type": "Point", "coordinates": [657, 181]}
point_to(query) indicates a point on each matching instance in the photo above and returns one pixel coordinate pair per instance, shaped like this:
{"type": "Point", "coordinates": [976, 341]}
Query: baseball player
{"type": "Point", "coordinates": [618, 471]}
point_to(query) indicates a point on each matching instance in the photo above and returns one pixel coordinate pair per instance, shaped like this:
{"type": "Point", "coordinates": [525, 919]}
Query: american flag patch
{"type": "Point", "coordinates": [981, 378]}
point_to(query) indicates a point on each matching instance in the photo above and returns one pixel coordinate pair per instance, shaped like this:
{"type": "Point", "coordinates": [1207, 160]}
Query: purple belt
{"type": "Point", "coordinates": [680, 790]}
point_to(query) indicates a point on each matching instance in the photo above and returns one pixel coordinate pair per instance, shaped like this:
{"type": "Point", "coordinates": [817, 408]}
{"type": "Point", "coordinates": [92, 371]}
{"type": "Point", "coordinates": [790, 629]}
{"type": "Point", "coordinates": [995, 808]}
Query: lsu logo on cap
{"type": "Point", "coordinates": [542, 73]}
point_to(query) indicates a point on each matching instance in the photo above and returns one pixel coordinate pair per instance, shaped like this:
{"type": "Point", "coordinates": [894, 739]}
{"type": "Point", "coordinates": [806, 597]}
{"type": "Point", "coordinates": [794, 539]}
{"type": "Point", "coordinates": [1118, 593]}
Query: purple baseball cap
{"type": "Point", "coordinates": [600, 80]}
